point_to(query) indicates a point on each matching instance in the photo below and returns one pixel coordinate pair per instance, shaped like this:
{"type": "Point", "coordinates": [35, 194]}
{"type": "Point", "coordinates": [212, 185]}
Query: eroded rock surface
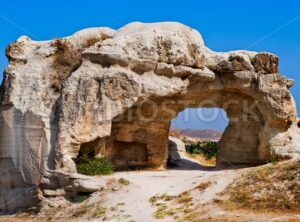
{"type": "Point", "coordinates": [113, 93]}
{"type": "Point", "coordinates": [175, 147]}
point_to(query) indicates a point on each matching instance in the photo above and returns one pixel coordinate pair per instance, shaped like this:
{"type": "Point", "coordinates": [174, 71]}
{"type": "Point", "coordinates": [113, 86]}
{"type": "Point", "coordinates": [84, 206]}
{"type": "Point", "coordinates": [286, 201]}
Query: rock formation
{"type": "Point", "coordinates": [113, 93]}
{"type": "Point", "coordinates": [175, 147]}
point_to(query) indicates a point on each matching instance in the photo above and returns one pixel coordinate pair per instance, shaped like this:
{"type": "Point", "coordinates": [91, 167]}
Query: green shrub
{"type": "Point", "coordinates": [94, 166]}
{"type": "Point", "coordinates": [81, 196]}
{"type": "Point", "coordinates": [209, 149]}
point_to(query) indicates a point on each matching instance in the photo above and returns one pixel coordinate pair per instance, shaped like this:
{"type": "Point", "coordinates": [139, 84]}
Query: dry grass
{"type": "Point", "coordinates": [179, 207]}
{"type": "Point", "coordinates": [164, 197]}
{"type": "Point", "coordinates": [123, 181]}
{"type": "Point", "coordinates": [99, 212]}
{"type": "Point", "coordinates": [203, 186]}
{"type": "Point", "coordinates": [172, 206]}
{"type": "Point", "coordinates": [82, 211]}
{"type": "Point", "coordinates": [184, 198]}
{"type": "Point", "coordinates": [66, 59]}
{"type": "Point", "coordinates": [89, 211]}
{"type": "Point", "coordinates": [161, 204]}
{"type": "Point", "coordinates": [163, 211]}
{"type": "Point", "coordinates": [90, 42]}
{"type": "Point", "coordinates": [274, 188]}
{"type": "Point", "coordinates": [203, 160]}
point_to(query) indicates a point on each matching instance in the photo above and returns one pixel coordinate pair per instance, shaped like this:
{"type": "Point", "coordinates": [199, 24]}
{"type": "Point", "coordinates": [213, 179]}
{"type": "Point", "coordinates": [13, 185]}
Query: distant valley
{"type": "Point", "coordinates": [203, 134]}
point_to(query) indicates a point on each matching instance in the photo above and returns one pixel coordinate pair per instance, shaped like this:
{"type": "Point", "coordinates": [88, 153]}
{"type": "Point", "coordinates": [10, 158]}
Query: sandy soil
{"type": "Point", "coordinates": [130, 202]}
{"type": "Point", "coordinates": [145, 185]}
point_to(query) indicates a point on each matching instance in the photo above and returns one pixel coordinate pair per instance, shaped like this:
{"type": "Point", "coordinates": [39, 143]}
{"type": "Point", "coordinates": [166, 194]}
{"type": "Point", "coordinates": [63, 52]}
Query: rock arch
{"type": "Point", "coordinates": [117, 90]}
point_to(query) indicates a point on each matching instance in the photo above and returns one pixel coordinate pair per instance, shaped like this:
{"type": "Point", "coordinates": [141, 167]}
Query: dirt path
{"type": "Point", "coordinates": [128, 200]}
{"type": "Point", "coordinates": [133, 200]}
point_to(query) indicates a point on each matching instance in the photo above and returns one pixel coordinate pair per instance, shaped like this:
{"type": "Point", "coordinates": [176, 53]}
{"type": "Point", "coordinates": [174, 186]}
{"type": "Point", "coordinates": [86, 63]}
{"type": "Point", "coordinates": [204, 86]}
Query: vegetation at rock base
{"type": "Point", "coordinates": [273, 188]}
{"type": "Point", "coordinates": [94, 166]}
{"type": "Point", "coordinates": [80, 197]}
{"type": "Point", "coordinates": [208, 149]}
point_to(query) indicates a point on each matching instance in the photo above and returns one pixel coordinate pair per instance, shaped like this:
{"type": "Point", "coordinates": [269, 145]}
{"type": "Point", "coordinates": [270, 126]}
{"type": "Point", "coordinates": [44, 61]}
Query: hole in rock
{"type": "Point", "coordinates": [298, 123]}
{"type": "Point", "coordinates": [139, 137]}
{"type": "Point", "coordinates": [194, 136]}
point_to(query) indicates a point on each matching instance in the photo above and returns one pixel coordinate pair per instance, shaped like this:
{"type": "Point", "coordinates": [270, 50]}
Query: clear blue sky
{"type": "Point", "coordinates": [258, 25]}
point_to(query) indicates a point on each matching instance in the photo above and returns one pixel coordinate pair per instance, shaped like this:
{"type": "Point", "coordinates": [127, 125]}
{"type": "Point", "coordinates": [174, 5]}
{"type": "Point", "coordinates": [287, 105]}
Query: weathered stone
{"type": "Point", "coordinates": [265, 63]}
{"type": "Point", "coordinates": [54, 193]}
{"type": "Point", "coordinates": [79, 183]}
{"type": "Point", "coordinates": [113, 93]}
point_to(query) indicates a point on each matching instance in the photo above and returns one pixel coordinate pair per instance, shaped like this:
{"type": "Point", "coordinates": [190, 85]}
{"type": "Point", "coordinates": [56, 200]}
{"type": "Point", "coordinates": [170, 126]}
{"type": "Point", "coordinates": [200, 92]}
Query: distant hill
{"type": "Point", "coordinates": [203, 134]}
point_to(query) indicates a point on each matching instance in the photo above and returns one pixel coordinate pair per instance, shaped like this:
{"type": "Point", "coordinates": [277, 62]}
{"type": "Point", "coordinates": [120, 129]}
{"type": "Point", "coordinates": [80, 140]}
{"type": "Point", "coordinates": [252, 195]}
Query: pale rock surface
{"type": "Point", "coordinates": [176, 146]}
{"type": "Point", "coordinates": [113, 93]}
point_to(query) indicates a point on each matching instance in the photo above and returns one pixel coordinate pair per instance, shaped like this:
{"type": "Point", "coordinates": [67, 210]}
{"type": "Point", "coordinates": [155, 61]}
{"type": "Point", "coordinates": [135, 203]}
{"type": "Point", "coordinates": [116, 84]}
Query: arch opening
{"type": "Point", "coordinates": [199, 131]}
{"type": "Point", "coordinates": [139, 136]}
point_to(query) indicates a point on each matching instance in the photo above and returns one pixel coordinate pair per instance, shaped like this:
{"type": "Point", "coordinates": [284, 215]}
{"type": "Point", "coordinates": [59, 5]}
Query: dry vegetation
{"type": "Point", "coordinates": [172, 206]}
{"type": "Point", "coordinates": [203, 186]}
{"type": "Point", "coordinates": [66, 59]}
{"type": "Point", "coordinates": [90, 42]}
{"type": "Point", "coordinates": [180, 207]}
{"type": "Point", "coordinates": [203, 160]}
{"type": "Point", "coordinates": [123, 181]}
{"type": "Point", "coordinates": [272, 188]}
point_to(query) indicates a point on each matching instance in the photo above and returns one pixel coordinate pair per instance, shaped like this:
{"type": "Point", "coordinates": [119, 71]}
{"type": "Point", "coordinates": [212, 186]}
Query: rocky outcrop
{"type": "Point", "coordinates": [175, 147]}
{"type": "Point", "coordinates": [113, 93]}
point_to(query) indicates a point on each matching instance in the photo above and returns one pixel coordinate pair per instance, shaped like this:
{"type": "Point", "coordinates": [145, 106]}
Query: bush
{"type": "Point", "coordinates": [209, 149]}
{"type": "Point", "coordinates": [81, 196]}
{"type": "Point", "coordinates": [94, 166]}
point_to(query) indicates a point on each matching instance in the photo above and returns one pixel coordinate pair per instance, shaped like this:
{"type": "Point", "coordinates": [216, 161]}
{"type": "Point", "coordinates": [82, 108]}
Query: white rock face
{"type": "Point", "coordinates": [176, 146]}
{"type": "Point", "coordinates": [113, 93]}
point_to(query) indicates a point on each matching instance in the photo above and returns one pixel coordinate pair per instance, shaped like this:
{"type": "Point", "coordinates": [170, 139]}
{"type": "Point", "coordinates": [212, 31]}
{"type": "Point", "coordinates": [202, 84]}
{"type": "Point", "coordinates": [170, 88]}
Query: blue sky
{"type": "Point", "coordinates": [257, 25]}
